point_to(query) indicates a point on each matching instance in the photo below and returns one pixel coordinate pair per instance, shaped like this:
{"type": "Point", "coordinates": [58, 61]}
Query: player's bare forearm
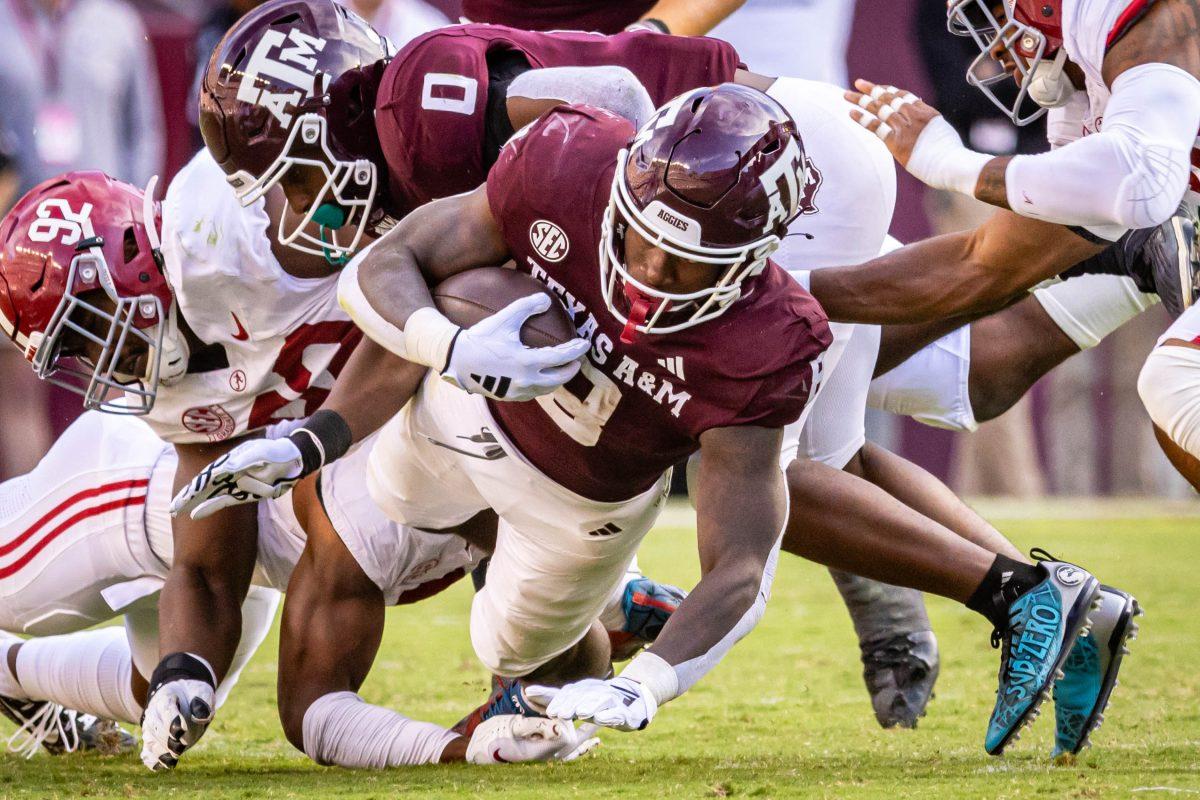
{"type": "Point", "coordinates": [200, 610]}
{"type": "Point", "coordinates": [372, 387]}
{"type": "Point", "coordinates": [692, 17]}
{"type": "Point", "coordinates": [741, 509]}
{"type": "Point", "coordinates": [1169, 33]}
{"type": "Point", "coordinates": [991, 188]}
{"type": "Point", "coordinates": [438, 240]}
{"type": "Point", "coordinates": [966, 273]}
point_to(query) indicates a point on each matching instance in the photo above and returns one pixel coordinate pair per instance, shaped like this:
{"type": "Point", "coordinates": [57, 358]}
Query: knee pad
{"type": "Point", "coordinates": [932, 385]}
{"type": "Point", "coordinates": [1169, 385]}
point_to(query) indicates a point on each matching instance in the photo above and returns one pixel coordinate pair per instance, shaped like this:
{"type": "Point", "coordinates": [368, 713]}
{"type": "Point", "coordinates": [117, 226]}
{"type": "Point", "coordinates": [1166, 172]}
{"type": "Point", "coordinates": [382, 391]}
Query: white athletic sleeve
{"type": "Point", "coordinates": [1133, 172]}
{"type": "Point", "coordinates": [610, 87]}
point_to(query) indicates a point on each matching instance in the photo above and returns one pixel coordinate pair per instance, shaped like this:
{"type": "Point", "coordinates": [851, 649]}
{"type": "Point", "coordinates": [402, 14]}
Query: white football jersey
{"type": "Point", "coordinates": [1086, 26]}
{"type": "Point", "coordinates": [284, 338]}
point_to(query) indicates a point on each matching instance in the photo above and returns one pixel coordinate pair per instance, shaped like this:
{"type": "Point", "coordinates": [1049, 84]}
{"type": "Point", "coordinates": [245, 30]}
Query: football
{"type": "Point", "coordinates": [471, 296]}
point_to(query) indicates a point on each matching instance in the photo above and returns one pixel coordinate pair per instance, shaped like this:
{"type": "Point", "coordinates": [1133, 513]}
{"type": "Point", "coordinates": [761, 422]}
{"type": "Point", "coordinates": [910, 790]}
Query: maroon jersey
{"type": "Point", "coordinates": [603, 16]}
{"type": "Point", "coordinates": [432, 101]}
{"type": "Point", "coordinates": [635, 409]}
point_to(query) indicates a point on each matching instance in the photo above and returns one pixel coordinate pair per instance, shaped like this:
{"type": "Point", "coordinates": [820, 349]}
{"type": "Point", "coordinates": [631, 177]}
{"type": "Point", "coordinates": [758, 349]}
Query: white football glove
{"type": "Point", "coordinates": [177, 715]}
{"type": "Point", "coordinates": [619, 703]}
{"type": "Point", "coordinates": [489, 359]}
{"type": "Point", "coordinates": [511, 738]}
{"type": "Point", "coordinates": [260, 469]}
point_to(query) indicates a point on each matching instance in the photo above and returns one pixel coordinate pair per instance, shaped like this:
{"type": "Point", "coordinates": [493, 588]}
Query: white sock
{"type": "Point", "coordinates": [1090, 307]}
{"type": "Point", "coordinates": [9, 685]}
{"type": "Point", "coordinates": [88, 671]}
{"type": "Point", "coordinates": [343, 730]}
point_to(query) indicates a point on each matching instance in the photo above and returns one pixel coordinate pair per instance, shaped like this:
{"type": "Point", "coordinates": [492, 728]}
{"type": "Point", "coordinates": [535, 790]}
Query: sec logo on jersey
{"type": "Point", "coordinates": [549, 241]}
{"type": "Point", "coordinates": [211, 421]}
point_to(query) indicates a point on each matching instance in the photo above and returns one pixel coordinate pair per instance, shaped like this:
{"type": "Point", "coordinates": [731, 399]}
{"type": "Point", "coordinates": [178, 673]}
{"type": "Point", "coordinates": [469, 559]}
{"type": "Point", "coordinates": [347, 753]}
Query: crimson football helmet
{"type": "Point", "coordinates": [292, 84]}
{"type": "Point", "coordinates": [715, 176]}
{"type": "Point", "coordinates": [1030, 32]}
{"type": "Point", "coordinates": [80, 263]}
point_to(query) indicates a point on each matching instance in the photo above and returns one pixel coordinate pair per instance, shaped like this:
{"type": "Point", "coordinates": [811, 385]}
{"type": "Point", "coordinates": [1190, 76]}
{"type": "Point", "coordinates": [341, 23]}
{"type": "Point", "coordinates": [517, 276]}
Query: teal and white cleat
{"type": "Point", "coordinates": [1090, 671]}
{"type": "Point", "coordinates": [1043, 624]}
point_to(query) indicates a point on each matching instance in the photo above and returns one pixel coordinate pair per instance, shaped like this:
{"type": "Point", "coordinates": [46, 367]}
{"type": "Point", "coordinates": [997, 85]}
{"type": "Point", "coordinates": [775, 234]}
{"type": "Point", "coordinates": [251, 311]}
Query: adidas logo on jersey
{"type": "Point", "coordinates": [608, 529]}
{"type": "Point", "coordinates": [673, 365]}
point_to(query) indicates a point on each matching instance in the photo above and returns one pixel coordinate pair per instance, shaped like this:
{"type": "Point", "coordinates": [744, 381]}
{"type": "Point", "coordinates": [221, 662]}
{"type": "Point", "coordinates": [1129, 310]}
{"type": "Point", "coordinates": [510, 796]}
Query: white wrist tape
{"type": "Point", "coordinates": [939, 159]}
{"type": "Point", "coordinates": [425, 338]}
{"type": "Point", "coordinates": [654, 673]}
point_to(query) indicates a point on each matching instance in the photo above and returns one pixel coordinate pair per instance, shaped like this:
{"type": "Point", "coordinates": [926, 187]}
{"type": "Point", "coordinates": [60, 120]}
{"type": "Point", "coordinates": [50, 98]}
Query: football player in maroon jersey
{"type": "Point", "coordinates": [349, 173]}
{"type": "Point", "coordinates": [681, 245]}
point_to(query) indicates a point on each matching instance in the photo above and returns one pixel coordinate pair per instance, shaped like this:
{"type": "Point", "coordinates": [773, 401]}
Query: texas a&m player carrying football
{"type": "Point", "coordinates": [94, 517]}
{"type": "Point", "coordinates": [677, 226]}
{"type": "Point", "coordinates": [343, 167]}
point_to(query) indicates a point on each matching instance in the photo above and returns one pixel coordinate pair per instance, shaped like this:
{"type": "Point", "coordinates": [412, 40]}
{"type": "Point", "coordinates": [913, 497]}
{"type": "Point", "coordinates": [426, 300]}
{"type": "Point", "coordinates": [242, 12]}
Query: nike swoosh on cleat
{"type": "Point", "coordinates": [496, 755]}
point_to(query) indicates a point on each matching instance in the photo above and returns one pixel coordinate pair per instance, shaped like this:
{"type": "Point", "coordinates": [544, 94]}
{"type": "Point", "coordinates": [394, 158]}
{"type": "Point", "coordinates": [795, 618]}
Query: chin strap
{"type": "Point", "coordinates": [175, 351]}
{"type": "Point", "coordinates": [1049, 87]}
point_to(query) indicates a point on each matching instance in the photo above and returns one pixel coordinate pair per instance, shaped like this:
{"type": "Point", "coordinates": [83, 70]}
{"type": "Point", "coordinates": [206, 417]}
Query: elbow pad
{"type": "Point", "coordinates": [1131, 174]}
{"type": "Point", "coordinates": [613, 88]}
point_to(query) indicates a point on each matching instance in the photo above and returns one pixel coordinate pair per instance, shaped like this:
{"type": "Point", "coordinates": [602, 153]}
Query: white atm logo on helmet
{"type": "Point", "coordinates": [549, 241]}
{"type": "Point", "coordinates": [293, 64]}
{"type": "Point", "coordinates": [68, 226]}
{"type": "Point", "coordinates": [782, 182]}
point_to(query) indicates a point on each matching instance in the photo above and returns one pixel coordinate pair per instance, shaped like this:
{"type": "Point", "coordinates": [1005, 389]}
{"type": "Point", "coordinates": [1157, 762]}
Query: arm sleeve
{"type": "Point", "coordinates": [612, 87]}
{"type": "Point", "coordinates": [1133, 173]}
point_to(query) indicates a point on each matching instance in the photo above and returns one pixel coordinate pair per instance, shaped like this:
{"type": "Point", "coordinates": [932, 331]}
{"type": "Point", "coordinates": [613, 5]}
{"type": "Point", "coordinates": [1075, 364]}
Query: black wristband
{"type": "Point", "coordinates": [322, 440]}
{"type": "Point", "coordinates": [657, 23]}
{"type": "Point", "coordinates": [179, 666]}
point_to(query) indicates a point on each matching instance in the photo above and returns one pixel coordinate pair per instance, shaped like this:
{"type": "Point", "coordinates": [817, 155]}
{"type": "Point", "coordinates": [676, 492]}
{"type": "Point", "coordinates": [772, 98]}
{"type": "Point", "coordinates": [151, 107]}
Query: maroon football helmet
{"type": "Point", "coordinates": [715, 176]}
{"type": "Point", "coordinates": [1030, 31]}
{"type": "Point", "coordinates": [292, 84]}
{"type": "Point", "coordinates": [79, 262]}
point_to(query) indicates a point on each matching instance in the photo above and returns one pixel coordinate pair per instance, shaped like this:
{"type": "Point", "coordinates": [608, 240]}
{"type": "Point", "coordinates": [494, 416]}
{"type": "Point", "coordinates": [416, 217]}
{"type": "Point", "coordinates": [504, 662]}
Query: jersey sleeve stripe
{"type": "Point", "coordinates": [1135, 11]}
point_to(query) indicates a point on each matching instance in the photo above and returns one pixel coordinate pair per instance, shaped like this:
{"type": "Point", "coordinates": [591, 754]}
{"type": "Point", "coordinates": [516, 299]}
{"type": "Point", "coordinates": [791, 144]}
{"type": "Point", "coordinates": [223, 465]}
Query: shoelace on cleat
{"type": "Point", "coordinates": [49, 724]}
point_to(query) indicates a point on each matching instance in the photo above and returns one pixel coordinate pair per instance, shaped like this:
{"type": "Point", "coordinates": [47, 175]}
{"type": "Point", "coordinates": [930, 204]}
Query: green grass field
{"type": "Point", "coordinates": [785, 715]}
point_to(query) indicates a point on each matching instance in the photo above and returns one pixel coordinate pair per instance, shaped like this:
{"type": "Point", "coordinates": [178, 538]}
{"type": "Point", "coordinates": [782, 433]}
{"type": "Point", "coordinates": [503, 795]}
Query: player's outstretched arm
{"type": "Point", "coordinates": [741, 511]}
{"type": "Point", "coordinates": [333, 620]}
{"type": "Point", "coordinates": [200, 620]}
{"type": "Point", "coordinates": [967, 273]}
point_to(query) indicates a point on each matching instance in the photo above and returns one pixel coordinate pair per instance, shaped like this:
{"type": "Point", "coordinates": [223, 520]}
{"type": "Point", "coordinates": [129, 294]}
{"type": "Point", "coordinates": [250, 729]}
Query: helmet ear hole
{"type": "Point", "coordinates": [130, 246]}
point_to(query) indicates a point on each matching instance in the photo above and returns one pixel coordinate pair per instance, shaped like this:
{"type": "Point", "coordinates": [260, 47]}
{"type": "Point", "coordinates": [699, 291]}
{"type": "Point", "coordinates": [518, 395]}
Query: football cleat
{"type": "Point", "coordinates": [1090, 671]}
{"type": "Point", "coordinates": [42, 724]}
{"type": "Point", "coordinates": [1172, 254]}
{"type": "Point", "coordinates": [647, 605]}
{"type": "Point", "coordinates": [507, 697]}
{"type": "Point", "coordinates": [1043, 624]}
{"type": "Point", "coordinates": [900, 673]}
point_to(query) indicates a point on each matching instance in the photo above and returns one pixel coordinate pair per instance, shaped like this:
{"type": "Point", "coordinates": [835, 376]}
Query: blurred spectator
{"type": "Point", "coordinates": [684, 17]}
{"type": "Point", "coordinates": [808, 38]}
{"type": "Point", "coordinates": [79, 89]}
{"type": "Point", "coordinates": [399, 20]}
